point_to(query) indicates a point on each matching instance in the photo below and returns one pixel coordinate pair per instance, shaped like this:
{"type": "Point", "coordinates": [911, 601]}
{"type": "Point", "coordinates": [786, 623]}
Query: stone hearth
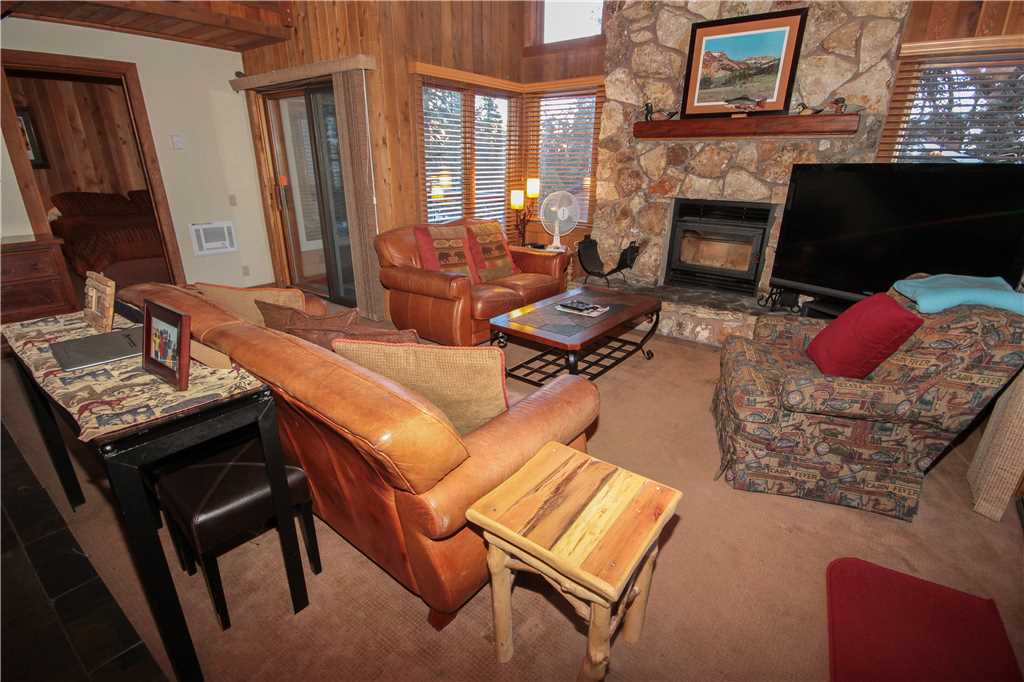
{"type": "Point", "coordinates": [703, 315]}
{"type": "Point", "coordinates": [849, 49]}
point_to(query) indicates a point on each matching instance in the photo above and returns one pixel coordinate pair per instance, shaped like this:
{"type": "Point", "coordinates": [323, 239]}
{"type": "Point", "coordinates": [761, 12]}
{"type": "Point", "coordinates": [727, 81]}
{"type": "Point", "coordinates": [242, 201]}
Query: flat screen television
{"type": "Point", "coordinates": [851, 230]}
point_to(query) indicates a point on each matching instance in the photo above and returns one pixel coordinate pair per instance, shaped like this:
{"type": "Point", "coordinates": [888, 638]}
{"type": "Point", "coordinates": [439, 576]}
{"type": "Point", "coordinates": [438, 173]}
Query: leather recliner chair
{"type": "Point", "coordinates": [385, 467]}
{"type": "Point", "coordinates": [450, 309]}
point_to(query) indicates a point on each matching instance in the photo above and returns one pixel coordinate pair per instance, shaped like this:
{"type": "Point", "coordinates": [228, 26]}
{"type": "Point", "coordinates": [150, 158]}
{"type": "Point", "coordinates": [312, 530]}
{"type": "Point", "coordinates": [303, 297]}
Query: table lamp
{"type": "Point", "coordinates": [519, 201]}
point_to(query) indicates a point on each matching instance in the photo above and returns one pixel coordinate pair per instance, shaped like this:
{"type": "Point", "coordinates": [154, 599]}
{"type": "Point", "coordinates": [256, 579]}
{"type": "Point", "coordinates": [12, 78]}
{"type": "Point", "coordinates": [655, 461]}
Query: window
{"type": "Point", "coordinates": [571, 20]}
{"type": "Point", "coordinates": [962, 108]}
{"type": "Point", "coordinates": [562, 132]}
{"type": "Point", "coordinates": [466, 152]}
{"type": "Point", "coordinates": [490, 157]}
{"type": "Point", "coordinates": [443, 153]}
{"type": "Point", "coordinates": [477, 146]}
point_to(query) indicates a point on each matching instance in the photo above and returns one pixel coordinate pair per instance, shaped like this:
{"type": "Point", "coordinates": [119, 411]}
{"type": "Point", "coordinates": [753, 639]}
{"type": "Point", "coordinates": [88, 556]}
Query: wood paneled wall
{"type": "Point", "coordinates": [585, 61]}
{"type": "Point", "coordinates": [483, 37]}
{"type": "Point", "coordinates": [948, 20]}
{"type": "Point", "coordinates": [85, 129]}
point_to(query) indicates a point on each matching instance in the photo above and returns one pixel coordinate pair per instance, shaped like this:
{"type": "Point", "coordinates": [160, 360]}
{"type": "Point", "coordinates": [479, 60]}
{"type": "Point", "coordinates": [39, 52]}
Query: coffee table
{"type": "Point", "coordinates": [576, 343]}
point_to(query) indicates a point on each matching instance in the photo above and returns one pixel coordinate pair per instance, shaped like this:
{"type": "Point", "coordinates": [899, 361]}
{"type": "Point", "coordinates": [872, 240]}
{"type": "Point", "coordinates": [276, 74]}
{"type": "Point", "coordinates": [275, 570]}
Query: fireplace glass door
{"type": "Point", "coordinates": [724, 255]}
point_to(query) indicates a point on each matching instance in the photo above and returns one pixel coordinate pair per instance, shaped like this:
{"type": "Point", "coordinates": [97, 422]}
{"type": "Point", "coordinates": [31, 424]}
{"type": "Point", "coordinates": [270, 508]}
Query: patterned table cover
{"type": "Point", "coordinates": [107, 398]}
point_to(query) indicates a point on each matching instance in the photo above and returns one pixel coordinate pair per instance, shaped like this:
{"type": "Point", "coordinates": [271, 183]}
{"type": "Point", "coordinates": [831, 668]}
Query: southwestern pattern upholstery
{"type": "Point", "coordinates": [452, 308]}
{"type": "Point", "coordinates": [785, 428]}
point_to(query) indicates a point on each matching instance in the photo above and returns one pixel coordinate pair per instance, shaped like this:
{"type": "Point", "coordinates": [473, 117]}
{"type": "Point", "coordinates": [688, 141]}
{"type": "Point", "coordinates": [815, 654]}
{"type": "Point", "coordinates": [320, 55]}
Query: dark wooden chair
{"type": "Point", "coordinates": [223, 501]}
{"type": "Point", "coordinates": [590, 260]}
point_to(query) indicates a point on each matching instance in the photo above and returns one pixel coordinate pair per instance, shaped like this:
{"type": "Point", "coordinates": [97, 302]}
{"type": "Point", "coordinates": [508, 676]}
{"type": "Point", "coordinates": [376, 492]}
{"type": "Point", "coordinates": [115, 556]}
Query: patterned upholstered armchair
{"type": "Point", "coordinates": [785, 428]}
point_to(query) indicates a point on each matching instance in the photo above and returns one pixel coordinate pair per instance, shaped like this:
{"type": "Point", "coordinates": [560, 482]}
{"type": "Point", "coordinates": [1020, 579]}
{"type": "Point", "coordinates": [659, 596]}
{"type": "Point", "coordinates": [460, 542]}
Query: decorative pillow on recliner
{"type": "Point", "coordinates": [446, 248]}
{"type": "Point", "coordinates": [490, 252]}
{"type": "Point", "coordinates": [241, 301]}
{"type": "Point", "coordinates": [467, 384]}
{"type": "Point", "coordinates": [860, 339]}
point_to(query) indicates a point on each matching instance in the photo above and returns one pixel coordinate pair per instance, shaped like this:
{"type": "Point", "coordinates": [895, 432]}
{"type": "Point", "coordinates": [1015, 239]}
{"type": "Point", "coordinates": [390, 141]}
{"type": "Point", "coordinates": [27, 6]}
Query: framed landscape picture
{"type": "Point", "coordinates": [167, 335]}
{"type": "Point", "coordinates": [743, 65]}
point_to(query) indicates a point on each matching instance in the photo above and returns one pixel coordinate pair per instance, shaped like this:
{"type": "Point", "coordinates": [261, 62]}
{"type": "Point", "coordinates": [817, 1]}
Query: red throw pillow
{"type": "Point", "coordinates": [860, 339]}
{"type": "Point", "coordinates": [446, 248]}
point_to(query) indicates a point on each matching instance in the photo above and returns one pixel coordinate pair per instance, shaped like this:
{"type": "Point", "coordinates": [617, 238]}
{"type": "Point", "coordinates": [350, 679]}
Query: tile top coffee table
{"type": "Point", "coordinates": [589, 528]}
{"type": "Point", "coordinates": [576, 343]}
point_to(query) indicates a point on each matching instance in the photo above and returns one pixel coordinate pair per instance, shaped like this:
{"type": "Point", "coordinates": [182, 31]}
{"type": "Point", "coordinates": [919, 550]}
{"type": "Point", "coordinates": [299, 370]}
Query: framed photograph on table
{"type": "Point", "coordinates": [743, 65]}
{"type": "Point", "coordinates": [99, 301]}
{"type": "Point", "coordinates": [167, 336]}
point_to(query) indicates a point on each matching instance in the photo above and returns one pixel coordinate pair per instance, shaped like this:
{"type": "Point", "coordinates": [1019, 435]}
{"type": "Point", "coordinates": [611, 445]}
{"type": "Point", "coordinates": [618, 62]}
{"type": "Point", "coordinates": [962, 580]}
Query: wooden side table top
{"type": "Point", "coordinates": [591, 521]}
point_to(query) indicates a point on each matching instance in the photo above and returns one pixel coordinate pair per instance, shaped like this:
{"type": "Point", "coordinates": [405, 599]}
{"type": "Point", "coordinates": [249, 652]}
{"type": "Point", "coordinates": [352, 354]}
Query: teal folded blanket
{"type": "Point", "coordinates": [938, 292]}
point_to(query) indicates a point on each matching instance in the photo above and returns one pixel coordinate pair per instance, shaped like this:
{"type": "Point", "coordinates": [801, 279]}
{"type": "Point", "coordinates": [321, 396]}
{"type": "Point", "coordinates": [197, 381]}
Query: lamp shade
{"type": "Point", "coordinates": [533, 187]}
{"type": "Point", "coordinates": [515, 199]}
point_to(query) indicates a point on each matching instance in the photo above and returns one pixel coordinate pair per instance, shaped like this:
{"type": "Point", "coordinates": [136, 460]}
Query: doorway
{"type": "Point", "coordinates": [308, 174]}
{"type": "Point", "coordinates": [89, 171]}
{"type": "Point", "coordinates": [78, 127]}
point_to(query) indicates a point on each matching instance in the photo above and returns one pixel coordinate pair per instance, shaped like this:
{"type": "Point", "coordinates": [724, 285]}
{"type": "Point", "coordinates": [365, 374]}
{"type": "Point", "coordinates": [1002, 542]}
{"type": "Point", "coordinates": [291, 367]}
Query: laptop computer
{"type": "Point", "coordinates": [99, 349]}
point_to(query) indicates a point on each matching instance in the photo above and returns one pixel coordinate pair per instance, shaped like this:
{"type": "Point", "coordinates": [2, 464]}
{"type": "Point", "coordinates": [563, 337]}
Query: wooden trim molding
{"type": "Point", "coordinates": [515, 87]}
{"type": "Point", "coordinates": [297, 74]}
{"type": "Point", "coordinates": [963, 45]}
{"type": "Point", "coordinates": [564, 46]}
{"type": "Point", "coordinates": [26, 179]}
{"type": "Point", "coordinates": [350, 101]}
{"type": "Point", "coordinates": [259, 128]}
{"type": "Point", "coordinates": [466, 77]}
{"type": "Point", "coordinates": [128, 74]}
{"type": "Point", "coordinates": [186, 22]}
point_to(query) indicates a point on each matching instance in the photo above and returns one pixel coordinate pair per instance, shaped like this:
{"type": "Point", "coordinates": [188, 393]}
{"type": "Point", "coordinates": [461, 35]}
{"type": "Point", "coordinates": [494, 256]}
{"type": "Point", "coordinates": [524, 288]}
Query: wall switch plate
{"type": "Point", "coordinates": [246, 271]}
{"type": "Point", "coordinates": [177, 141]}
{"type": "Point", "coordinates": [232, 200]}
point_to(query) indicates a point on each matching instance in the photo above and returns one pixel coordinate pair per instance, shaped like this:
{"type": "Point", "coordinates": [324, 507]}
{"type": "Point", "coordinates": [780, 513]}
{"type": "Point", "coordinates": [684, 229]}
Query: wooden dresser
{"type": "Point", "coordinates": [34, 280]}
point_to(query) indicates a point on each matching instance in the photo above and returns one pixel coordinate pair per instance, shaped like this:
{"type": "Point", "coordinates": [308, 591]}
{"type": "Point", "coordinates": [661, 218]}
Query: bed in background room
{"type": "Point", "coordinates": [110, 233]}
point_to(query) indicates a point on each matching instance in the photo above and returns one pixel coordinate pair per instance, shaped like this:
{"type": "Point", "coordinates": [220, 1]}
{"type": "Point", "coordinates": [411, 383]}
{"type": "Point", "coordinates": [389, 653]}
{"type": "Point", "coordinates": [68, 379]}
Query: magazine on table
{"type": "Point", "coordinates": [585, 308]}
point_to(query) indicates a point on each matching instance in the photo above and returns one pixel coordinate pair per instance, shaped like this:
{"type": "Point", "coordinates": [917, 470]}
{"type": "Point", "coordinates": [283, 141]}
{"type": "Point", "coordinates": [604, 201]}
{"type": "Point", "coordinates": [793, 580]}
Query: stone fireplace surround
{"type": "Point", "coordinates": [849, 49]}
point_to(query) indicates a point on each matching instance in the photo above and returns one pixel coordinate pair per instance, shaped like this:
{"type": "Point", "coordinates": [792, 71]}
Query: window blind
{"type": "Point", "coordinates": [469, 152]}
{"type": "Point", "coordinates": [444, 155]}
{"type": "Point", "coordinates": [956, 108]}
{"type": "Point", "coordinates": [560, 140]}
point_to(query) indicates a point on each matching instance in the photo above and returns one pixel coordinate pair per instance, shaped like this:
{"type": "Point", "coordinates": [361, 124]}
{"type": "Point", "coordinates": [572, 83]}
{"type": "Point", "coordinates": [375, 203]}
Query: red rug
{"type": "Point", "coordinates": [886, 625]}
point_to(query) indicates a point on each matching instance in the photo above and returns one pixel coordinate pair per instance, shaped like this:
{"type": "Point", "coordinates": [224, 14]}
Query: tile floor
{"type": "Point", "coordinates": [59, 622]}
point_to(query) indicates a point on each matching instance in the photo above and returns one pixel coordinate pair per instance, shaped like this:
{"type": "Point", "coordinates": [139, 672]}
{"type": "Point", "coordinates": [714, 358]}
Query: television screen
{"type": "Point", "coordinates": [851, 230]}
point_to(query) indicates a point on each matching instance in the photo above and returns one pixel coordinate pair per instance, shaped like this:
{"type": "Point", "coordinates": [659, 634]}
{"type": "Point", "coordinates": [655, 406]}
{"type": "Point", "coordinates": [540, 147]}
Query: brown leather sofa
{"type": "Point", "coordinates": [449, 308]}
{"type": "Point", "coordinates": [386, 469]}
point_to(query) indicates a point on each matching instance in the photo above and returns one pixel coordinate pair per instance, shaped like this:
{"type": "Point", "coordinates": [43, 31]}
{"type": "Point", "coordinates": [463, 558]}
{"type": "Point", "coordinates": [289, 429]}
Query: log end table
{"type": "Point", "coordinates": [590, 529]}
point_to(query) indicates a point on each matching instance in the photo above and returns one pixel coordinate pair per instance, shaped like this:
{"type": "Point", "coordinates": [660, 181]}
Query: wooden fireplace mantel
{"type": "Point", "coordinates": [749, 126]}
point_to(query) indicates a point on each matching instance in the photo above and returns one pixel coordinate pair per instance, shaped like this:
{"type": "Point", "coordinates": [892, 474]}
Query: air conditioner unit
{"type": "Point", "coordinates": [212, 238]}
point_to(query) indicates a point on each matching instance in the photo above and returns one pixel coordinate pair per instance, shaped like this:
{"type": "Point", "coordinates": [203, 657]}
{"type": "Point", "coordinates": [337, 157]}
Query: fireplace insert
{"type": "Point", "coordinates": [718, 243]}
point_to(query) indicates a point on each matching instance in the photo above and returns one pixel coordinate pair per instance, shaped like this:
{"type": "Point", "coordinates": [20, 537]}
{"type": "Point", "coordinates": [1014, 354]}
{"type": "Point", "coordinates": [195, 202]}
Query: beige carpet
{"type": "Point", "coordinates": [739, 591]}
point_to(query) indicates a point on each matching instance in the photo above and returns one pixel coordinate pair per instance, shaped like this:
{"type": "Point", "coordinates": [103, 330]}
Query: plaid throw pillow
{"type": "Point", "coordinates": [446, 248]}
{"type": "Point", "coordinates": [489, 247]}
{"type": "Point", "coordinates": [467, 384]}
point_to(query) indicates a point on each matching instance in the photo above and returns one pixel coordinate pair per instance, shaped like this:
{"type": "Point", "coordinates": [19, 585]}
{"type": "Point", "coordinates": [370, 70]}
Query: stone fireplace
{"type": "Point", "coordinates": [849, 49]}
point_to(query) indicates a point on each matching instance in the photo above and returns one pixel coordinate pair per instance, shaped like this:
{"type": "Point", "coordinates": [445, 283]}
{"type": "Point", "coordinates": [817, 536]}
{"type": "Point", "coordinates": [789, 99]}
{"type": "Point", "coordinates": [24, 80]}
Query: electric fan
{"type": "Point", "coordinates": [559, 214]}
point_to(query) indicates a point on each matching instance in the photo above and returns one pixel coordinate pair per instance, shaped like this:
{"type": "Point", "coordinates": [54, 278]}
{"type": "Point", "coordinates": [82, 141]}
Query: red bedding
{"type": "Point", "coordinates": [95, 243]}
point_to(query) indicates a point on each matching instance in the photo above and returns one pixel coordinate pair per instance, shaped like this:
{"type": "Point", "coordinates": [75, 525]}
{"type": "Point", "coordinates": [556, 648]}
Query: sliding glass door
{"type": "Point", "coordinates": [310, 192]}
